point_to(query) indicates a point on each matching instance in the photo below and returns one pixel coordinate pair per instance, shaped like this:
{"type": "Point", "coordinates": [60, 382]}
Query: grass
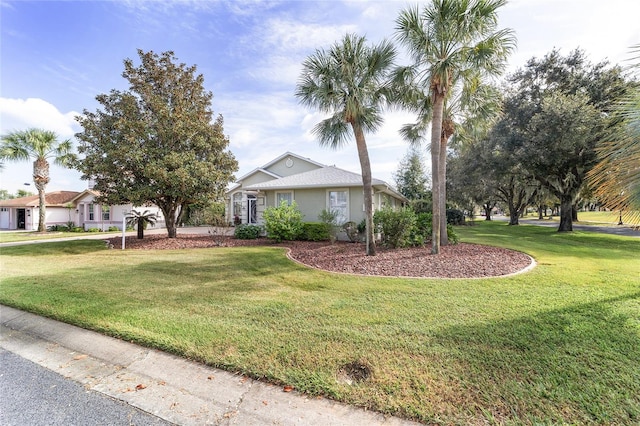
{"type": "Point", "coordinates": [13, 237]}
{"type": "Point", "coordinates": [595, 218]}
{"type": "Point", "coordinates": [560, 344]}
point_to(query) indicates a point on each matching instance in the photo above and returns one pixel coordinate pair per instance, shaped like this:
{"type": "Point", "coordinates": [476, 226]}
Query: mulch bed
{"type": "Point", "coordinates": [454, 261]}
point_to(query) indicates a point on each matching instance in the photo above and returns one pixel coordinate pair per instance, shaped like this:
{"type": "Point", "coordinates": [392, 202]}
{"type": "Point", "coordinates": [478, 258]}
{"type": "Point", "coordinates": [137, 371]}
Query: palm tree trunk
{"type": "Point", "coordinates": [365, 166]}
{"type": "Point", "coordinates": [41, 179]}
{"type": "Point", "coordinates": [442, 179]}
{"type": "Point", "coordinates": [436, 133]}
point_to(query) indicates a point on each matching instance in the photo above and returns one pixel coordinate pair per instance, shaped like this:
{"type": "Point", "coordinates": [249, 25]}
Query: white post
{"type": "Point", "coordinates": [124, 226]}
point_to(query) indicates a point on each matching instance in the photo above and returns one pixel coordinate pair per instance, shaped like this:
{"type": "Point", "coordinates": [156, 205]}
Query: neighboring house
{"type": "Point", "coordinates": [64, 207]}
{"type": "Point", "coordinates": [313, 186]}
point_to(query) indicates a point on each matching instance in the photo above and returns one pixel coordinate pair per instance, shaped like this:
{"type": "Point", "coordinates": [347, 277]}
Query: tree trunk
{"type": "Point", "coordinates": [436, 134]}
{"type": "Point", "coordinates": [169, 212]}
{"type": "Point", "coordinates": [41, 179]}
{"type": "Point", "coordinates": [514, 214]}
{"type": "Point", "coordinates": [140, 229]}
{"type": "Point", "coordinates": [540, 215]}
{"type": "Point", "coordinates": [566, 207]}
{"type": "Point", "coordinates": [442, 178]}
{"type": "Point", "coordinates": [487, 211]}
{"type": "Point", "coordinates": [365, 166]}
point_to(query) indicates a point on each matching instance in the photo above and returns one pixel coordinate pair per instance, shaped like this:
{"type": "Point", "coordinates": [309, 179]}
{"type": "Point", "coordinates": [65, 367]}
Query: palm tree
{"type": "Point", "coordinates": [41, 146]}
{"type": "Point", "coordinates": [452, 42]}
{"type": "Point", "coordinates": [616, 177]}
{"type": "Point", "coordinates": [140, 220]}
{"type": "Point", "coordinates": [349, 82]}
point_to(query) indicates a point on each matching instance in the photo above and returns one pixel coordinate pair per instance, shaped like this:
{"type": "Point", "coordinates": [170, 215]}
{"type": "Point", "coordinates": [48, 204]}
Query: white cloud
{"type": "Point", "coordinates": [19, 114]}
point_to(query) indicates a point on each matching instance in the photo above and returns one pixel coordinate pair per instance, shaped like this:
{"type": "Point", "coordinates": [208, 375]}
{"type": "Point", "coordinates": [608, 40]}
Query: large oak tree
{"type": "Point", "coordinates": [157, 142]}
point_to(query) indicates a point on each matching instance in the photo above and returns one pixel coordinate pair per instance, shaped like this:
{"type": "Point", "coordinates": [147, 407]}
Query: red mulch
{"type": "Point", "coordinates": [454, 261]}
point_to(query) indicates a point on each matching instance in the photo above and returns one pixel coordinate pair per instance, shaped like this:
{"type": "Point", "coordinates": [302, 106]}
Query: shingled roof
{"type": "Point", "coordinates": [324, 177]}
{"type": "Point", "coordinates": [52, 199]}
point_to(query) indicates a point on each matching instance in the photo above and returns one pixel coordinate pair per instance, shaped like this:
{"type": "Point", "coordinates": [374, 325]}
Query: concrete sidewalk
{"type": "Point", "coordinates": [167, 386]}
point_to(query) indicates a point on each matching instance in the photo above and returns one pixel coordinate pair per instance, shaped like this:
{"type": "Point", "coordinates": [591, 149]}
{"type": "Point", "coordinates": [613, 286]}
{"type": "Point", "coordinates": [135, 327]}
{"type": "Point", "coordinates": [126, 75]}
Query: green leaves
{"type": "Point", "coordinates": [158, 142]}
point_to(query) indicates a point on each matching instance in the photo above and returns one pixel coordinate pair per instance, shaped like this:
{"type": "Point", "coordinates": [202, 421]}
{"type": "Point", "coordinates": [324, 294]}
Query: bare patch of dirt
{"type": "Point", "coordinates": [454, 261]}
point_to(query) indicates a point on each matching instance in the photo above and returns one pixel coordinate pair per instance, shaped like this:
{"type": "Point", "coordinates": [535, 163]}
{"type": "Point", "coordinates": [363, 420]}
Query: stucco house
{"type": "Point", "coordinates": [63, 207]}
{"type": "Point", "coordinates": [313, 186]}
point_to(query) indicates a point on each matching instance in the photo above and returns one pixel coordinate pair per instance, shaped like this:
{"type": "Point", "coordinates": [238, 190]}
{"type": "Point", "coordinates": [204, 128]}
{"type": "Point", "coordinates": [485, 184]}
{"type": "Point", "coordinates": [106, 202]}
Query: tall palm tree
{"type": "Point", "coordinates": [452, 42]}
{"type": "Point", "coordinates": [41, 146]}
{"type": "Point", "coordinates": [349, 82]}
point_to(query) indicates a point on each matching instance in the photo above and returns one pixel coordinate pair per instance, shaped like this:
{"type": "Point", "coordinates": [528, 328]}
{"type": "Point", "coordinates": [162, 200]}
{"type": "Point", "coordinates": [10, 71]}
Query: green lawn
{"type": "Point", "coordinates": [13, 236]}
{"type": "Point", "coordinates": [560, 344]}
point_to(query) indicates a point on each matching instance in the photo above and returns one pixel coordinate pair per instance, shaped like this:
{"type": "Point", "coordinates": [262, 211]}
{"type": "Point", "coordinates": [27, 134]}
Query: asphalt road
{"type": "Point", "coordinates": [34, 395]}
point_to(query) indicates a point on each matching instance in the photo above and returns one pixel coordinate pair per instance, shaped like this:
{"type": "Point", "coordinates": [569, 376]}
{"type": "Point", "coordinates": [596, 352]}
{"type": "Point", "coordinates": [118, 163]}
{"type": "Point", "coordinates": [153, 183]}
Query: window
{"type": "Point", "coordinates": [339, 201]}
{"type": "Point", "coordinates": [237, 205]}
{"type": "Point", "coordinates": [286, 196]}
{"type": "Point", "coordinates": [91, 215]}
{"type": "Point", "coordinates": [106, 212]}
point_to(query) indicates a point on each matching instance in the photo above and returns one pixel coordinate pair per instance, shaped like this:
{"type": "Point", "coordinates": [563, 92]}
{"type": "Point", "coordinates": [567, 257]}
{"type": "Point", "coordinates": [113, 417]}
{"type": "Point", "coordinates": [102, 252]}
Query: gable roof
{"type": "Point", "coordinates": [264, 168]}
{"type": "Point", "coordinates": [325, 177]}
{"type": "Point", "coordinates": [52, 199]}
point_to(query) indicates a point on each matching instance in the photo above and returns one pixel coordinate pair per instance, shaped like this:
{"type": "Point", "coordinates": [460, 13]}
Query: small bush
{"type": "Point", "coordinates": [113, 229]}
{"type": "Point", "coordinates": [451, 234]}
{"type": "Point", "coordinates": [395, 226]}
{"type": "Point", "coordinates": [247, 232]}
{"type": "Point", "coordinates": [315, 231]}
{"type": "Point", "coordinates": [283, 222]}
{"type": "Point", "coordinates": [455, 217]}
{"type": "Point", "coordinates": [94, 230]}
{"type": "Point", "coordinates": [351, 229]}
{"type": "Point", "coordinates": [329, 219]}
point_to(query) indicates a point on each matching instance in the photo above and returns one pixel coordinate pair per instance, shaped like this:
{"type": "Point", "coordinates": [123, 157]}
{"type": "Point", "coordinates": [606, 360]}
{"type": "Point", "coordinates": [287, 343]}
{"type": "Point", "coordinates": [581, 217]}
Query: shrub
{"type": "Point", "coordinates": [247, 232]}
{"type": "Point", "coordinates": [451, 234]}
{"type": "Point", "coordinates": [421, 232]}
{"type": "Point", "coordinates": [113, 229]}
{"type": "Point", "coordinates": [351, 229]}
{"type": "Point", "coordinates": [455, 217]}
{"type": "Point", "coordinates": [329, 219]}
{"type": "Point", "coordinates": [395, 226]}
{"type": "Point", "coordinates": [94, 230]}
{"type": "Point", "coordinates": [283, 222]}
{"type": "Point", "coordinates": [315, 231]}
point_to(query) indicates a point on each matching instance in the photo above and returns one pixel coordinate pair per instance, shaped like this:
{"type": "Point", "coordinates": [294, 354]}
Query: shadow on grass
{"type": "Point", "coordinates": [576, 364]}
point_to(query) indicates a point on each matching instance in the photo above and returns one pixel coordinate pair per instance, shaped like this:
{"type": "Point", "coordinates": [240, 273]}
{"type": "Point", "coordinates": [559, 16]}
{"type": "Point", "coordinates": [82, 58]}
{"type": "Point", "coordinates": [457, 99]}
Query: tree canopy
{"type": "Point", "coordinates": [157, 142]}
{"type": "Point", "coordinates": [556, 112]}
{"type": "Point", "coordinates": [40, 146]}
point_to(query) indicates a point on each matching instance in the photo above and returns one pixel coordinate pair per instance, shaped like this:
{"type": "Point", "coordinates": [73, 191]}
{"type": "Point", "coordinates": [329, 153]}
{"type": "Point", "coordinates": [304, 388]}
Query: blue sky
{"type": "Point", "coordinates": [56, 56]}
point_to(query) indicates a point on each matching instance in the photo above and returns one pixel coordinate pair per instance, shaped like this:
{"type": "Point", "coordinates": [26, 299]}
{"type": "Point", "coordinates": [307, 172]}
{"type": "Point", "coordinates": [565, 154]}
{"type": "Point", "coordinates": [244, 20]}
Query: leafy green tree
{"type": "Point", "coordinates": [616, 176]}
{"type": "Point", "coordinates": [411, 178]}
{"type": "Point", "coordinates": [557, 112]}
{"type": "Point", "coordinates": [140, 220]}
{"type": "Point", "coordinates": [349, 81]}
{"type": "Point", "coordinates": [40, 146]}
{"type": "Point", "coordinates": [452, 42]}
{"type": "Point", "coordinates": [157, 142]}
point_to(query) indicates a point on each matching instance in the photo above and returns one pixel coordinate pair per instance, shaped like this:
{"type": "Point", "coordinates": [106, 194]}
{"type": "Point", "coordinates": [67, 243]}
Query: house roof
{"type": "Point", "coordinates": [325, 177]}
{"type": "Point", "coordinates": [52, 199]}
{"type": "Point", "coordinates": [264, 168]}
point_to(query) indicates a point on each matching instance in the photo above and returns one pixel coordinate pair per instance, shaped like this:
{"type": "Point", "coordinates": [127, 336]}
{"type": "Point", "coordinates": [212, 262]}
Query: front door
{"type": "Point", "coordinates": [252, 209]}
{"type": "Point", "coordinates": [21, 219]}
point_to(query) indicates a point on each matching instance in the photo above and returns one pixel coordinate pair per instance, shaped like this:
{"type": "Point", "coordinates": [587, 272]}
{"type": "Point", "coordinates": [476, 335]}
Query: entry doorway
{"type": "Point", "coordinates": [252, 209]}
{"type": "Point", "coordinates": [21, 219]}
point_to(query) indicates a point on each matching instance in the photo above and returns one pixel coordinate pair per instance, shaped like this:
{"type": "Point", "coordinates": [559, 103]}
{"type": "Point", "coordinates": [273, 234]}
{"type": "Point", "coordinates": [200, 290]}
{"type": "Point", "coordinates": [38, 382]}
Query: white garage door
{"type": "Point", "coordinates": [4, 218]}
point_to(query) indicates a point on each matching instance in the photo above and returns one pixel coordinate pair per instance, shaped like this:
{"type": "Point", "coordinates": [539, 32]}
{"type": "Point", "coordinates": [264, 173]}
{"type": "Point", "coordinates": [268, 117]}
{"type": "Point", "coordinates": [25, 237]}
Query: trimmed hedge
{"type": "Point", "coordinates": [315, 231]}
